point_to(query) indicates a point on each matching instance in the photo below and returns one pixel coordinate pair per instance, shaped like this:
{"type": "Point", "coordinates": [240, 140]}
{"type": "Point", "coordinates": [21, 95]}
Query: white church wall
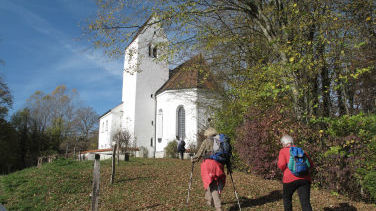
{"type": "Point", "coordinates": [129, 86]}
{"type": "Point", "coordinates": [168, 102]}
{"type": "Point", "coordinates": [105, 131]}
{"type": "Point", "coordinates": [108, 125]}
{"type": "Point", "coordinates": [153, 75]}
{"type": "Point", "coordinates": [143, 76]}
{"type": "Point", "coordinates": [206, 103]}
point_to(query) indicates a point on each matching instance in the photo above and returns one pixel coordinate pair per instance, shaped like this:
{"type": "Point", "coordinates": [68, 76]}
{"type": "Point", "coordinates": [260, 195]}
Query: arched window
{"type": "Point", "coordinates": [159, 125]}
{"type": "Point", "coordinates": [150, 50]}
{"type": "Point", "coordinates": [180, 121]}
{"type": "Point", "coordinates": [155, 52]}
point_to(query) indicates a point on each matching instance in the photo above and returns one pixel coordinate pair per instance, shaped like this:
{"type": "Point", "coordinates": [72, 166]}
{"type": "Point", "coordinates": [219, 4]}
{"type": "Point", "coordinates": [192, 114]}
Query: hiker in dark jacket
{"type": "Point", "coordinates": [291, 183]}
{"type": "Point", "coordinates": [212, 172]}
{"type": "Point", "coordinates": [181, 148]}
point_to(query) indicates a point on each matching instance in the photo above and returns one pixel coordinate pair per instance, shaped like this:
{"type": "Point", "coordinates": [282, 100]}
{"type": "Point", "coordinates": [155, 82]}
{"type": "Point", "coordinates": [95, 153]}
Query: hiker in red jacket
{"type": "Point", "coordinates": [212, 172]}
{"type": "Point", "coordinates": [292, 182]}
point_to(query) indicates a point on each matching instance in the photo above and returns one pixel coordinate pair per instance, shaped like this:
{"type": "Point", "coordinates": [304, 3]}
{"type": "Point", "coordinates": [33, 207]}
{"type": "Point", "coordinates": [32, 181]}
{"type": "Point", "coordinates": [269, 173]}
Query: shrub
{"type": "Point", "coordinates": [258, 139]}
{"type": "Point", "coordinates": [336, 168]}
{"type": "Point", "coordinates": [171, 150]}
{"type": "Point", "coordinates": [144, 152]}
{"type": "Point", "coordinates": [346, 153]}
{"type": "Point", "coordinates": [370, 183]}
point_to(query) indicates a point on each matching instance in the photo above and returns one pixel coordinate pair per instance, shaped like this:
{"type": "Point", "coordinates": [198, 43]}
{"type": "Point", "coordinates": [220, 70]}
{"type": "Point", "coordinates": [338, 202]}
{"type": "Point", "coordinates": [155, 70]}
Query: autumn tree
{"type": "Point", "coordinates": [6, 100]}
{"type": "Point", "coordinates": [86, 120]}
{"type": "Point", "coordinates": [124, 140]}
{"type": "Point", "coordinates": [49, 121]}
{"type": "Point", "coordinates": [293, 52]}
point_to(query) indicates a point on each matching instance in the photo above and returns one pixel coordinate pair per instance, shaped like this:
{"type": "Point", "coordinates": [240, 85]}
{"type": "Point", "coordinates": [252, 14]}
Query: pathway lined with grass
{"type": "Point", "coordinates": [145, 184]}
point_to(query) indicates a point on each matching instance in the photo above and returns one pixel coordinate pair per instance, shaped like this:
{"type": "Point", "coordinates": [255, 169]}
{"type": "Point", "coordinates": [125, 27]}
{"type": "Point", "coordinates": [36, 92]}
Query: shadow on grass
{"type": "Point", "coordinates": [246, 202]}
{"type": "Point", "coordinates": [132, 179]}
{"type": "Point", "coordinates": [149, 207]}
{"type": "Point", "coordinates": [341, 207]}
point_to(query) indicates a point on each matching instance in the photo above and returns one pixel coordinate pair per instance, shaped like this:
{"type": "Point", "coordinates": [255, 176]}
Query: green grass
{"type": "Point", "coordinates": [143, 184]}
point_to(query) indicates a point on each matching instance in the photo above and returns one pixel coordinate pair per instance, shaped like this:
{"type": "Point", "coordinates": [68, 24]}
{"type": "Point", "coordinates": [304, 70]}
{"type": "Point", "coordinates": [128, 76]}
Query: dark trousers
{"type": "Point", "coordinates": [181, 155]}
{"type": "Point", "coordinates": [304, 189]}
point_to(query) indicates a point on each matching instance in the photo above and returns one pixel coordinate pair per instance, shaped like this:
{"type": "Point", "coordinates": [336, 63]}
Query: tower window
{"type": "Point", "coordinates": [150, 50]}
{"type": "Point", "coordinates": [152, 122]}
{"type": "Point", "coordinates": [151, 95]}
{"type": "Point", "coordinates": [155, 52]}
{"type": "Point", "coordinates": [151, 142]}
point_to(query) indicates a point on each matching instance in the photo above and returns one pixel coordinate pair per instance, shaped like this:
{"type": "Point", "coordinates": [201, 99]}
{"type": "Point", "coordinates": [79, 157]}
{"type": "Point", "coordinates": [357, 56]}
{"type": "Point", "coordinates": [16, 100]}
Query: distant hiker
{"type": "Point", "coordinates": [212, 171]}
{"type": "Point", "coordinates": [295, 165]}
{"type": "Point", "coordinates": [181, 148]}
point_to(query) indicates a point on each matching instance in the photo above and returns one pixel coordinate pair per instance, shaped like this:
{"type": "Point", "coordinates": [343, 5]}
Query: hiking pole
{"type": "Point", "coordinates": [190, 182]}
{"type": "Point", "coordinates": [236, 193]}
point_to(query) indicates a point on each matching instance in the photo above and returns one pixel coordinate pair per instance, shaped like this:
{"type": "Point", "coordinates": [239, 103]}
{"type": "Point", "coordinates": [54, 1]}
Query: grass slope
{"type": "Point", "coordinates": [145, 184]}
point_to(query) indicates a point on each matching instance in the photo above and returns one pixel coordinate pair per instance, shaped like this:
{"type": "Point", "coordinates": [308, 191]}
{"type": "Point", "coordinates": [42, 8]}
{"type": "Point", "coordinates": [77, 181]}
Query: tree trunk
{"type": "Point", "coordinates": [66, 151]}
{"type": "Point", "coordinates": [315, 98]}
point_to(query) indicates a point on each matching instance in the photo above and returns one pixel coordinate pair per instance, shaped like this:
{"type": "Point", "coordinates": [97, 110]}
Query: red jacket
{"type": "Point", "coordinates": [283, 159]}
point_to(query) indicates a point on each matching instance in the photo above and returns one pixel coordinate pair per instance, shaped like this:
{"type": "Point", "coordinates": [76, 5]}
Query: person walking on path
{"type": "Point", "coordinates": [291, 183]}
{"type": "Point", "coordinates": [181, 148]}
{"type": "Point", "coordinates": [212, 172]}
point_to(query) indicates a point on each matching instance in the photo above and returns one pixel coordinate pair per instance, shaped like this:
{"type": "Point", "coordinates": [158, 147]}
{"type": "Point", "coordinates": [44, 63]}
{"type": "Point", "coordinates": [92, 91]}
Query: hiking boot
{"type": "Point", "coordinates": [210, 203]}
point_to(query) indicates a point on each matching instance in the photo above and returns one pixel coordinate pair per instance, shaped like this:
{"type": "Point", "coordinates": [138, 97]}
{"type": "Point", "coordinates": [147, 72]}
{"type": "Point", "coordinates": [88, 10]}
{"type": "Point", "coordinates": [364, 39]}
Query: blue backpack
{"type": "Point", "coordinates": [222, 150]}
{"type": "Point", "coordinates": [298, 164]}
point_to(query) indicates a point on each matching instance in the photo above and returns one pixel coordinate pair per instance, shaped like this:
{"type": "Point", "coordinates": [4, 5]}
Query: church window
{"type": "Point", "coordinates": [152, 122]}
{"type": "Point", "coordinates": [180, 127]}
{"type": "Point", "coordinates": [159, 125]}
{"type": "Point", "coordinates": [151, 95]}
{"type": "Point", "coordinates": [151, 142]}
{"type": "Point", "coordinates": [155, 53]}
{"type": "Point", "coordinates": [150, 50]}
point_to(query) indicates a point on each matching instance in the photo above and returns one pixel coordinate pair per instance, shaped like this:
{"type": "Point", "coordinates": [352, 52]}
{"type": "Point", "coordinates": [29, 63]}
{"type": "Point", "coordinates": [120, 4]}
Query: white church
{"type": "Point", "coordinates": [158, 105]}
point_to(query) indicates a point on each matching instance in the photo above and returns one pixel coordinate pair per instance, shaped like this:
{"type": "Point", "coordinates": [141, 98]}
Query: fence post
{"type": "Point", "coordinates": [96, 182]}
{"type": "Point", "coordinates": [113, 164]}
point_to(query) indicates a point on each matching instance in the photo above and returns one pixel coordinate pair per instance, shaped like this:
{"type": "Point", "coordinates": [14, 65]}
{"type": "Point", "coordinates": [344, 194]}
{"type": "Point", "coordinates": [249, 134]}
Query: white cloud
{"type": "Point", "coordinates": [43, 26]}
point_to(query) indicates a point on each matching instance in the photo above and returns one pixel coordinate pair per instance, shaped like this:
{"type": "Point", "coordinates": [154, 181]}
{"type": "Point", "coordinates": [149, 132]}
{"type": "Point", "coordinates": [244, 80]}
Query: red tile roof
{"type": "Point", "coordinates": [193, 73]}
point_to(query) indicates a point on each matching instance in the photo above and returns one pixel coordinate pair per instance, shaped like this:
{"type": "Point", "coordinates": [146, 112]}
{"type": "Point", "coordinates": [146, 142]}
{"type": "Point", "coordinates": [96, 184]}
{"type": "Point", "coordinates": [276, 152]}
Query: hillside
{"type": "Point", "coordinates": [145, 184]}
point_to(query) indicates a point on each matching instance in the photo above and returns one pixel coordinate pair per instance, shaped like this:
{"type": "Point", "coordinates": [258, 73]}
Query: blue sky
{"type": "Point", "coordinates": [40, 46]}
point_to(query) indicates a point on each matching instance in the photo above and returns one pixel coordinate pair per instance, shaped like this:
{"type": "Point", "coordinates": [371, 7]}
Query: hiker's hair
{"type": "Point", "coordinates": [286, 140]}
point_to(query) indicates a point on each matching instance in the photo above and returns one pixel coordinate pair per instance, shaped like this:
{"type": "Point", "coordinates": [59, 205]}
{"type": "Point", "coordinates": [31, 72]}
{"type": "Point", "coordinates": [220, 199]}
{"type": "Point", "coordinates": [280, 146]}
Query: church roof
{"type": "Point", "coordinates": [109, 111]}
{"type": "Point", "coordinates": [140, 30]}
{"type": "Point", "coordinates": [193, 73]}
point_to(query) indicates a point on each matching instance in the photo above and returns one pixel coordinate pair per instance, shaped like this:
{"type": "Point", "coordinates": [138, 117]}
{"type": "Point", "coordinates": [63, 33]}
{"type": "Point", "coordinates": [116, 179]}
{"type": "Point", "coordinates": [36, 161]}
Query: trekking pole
{"type": "Point", "coordinates": [190, 182]}
{"type": "Point", "coordinates": [236, 193]}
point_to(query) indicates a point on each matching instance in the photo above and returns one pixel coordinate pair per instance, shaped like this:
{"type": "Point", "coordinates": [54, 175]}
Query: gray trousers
{"type": "Point", "coordinates": [212, 195]}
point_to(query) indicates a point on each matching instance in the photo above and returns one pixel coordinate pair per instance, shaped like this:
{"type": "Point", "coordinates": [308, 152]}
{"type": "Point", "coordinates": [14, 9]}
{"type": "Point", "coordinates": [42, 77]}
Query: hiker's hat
{"type": "Point", "coordinates": [210, 132]}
